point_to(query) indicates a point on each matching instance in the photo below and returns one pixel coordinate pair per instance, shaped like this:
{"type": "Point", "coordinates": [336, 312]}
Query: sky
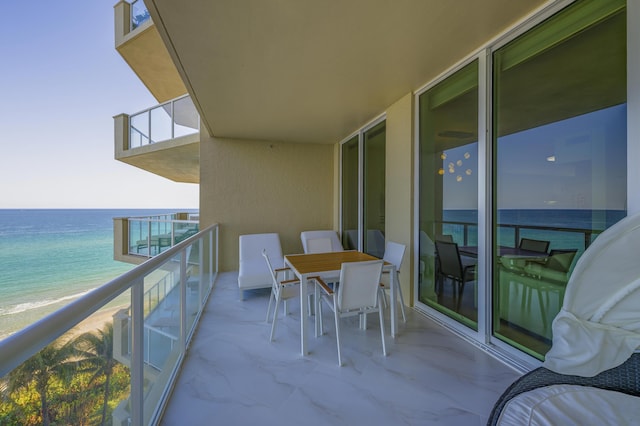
{"type": "Point", "coordinates": [576, 163]}
{"type": "Point", "coordinates": [61, 83]}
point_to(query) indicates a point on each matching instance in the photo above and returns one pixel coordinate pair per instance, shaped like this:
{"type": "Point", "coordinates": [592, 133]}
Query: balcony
{"type": "Point", "coordinates": [139, 43]}
{"type": "Point", "coordinates": [138, 238]}
{"type": "Point", "coordinates": [234, 374]}
{"type": "Point", "coordinates": [163, 139]}
{"type": "Point", "coordinates": [138, 326]}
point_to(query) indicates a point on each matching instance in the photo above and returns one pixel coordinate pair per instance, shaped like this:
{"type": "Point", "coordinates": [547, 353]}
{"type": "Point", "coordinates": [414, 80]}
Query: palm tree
{"type": "Point", "coordinates": [51, 362]}
{"type": "Point", "coordinates": [95, 351]}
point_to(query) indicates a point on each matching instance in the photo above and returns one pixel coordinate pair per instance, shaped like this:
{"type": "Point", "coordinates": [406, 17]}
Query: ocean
{"type": "Point", "coordinates": [564, 228]}
{"type": "Point", "coordinates": [49, 258]}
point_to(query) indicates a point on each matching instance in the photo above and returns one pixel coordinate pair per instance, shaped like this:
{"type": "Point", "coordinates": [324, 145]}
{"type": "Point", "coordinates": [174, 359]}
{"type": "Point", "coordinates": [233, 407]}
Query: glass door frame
{"type": "Point", "coordinates": [483, 337]}
{"type": "Point", "coordinates": [479, 337]}
{"type": "Point", "coordinates": [360, 134]}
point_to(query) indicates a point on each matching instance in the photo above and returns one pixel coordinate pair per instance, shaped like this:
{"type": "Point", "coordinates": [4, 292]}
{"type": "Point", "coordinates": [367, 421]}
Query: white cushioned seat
{"type": "Point", "coordinates": [253, 271]}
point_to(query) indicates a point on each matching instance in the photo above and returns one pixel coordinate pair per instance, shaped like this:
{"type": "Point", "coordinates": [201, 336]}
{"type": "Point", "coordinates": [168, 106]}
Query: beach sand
{"type": "Point", "coordinates": [94, 323]}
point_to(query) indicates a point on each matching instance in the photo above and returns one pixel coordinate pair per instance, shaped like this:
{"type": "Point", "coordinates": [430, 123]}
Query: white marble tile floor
{"type": "Point", "coordinates": [233, 375]}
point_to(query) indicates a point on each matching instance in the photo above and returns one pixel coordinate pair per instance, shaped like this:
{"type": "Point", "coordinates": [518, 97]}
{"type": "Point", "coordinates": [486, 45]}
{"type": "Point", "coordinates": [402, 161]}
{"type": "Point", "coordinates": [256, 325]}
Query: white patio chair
{"type": "Point", "coordinates": [321, 242]}
{"type": "Point", "coordinates": [394, 254]}
{"type": "Point", "coordinates": [253, 272]}
{"type": "Point", "coordinates": [281, 289]}
{"type": "Point", "coordinates": [305, 236]}
{"type": "Point", "coordinates": [358, 294]}
{"type": "Point", "coordinates": [319, 245]}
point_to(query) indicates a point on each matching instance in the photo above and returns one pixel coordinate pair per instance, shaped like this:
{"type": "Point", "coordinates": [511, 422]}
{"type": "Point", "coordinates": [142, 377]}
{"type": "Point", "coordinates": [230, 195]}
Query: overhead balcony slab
{"type": "Point", "coordinates": [145, 52]}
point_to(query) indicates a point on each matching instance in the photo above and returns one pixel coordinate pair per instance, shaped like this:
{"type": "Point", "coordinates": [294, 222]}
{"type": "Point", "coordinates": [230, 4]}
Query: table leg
{"type": "Point", "coordinates": [303, 314]}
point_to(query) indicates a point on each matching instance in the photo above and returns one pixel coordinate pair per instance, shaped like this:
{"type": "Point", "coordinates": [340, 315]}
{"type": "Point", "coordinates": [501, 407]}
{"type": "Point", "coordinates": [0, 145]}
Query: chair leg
{"type": "Point", "coordinates": [337, 317]}
{"type": "Point", "coordinates": [319, 316]}
{"type": "Point", "coordinates": [271, 297]}
{"type": "Point", "coordinates": [384, 346]}
{"type": "Point", "coordinates": [275, 319]}
{"type": "Point", "coordinates": [404, 316]}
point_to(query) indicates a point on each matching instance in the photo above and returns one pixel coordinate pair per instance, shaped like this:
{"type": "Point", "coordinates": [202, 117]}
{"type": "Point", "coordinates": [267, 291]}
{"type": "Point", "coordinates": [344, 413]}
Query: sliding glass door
{"type": "Point", "coordinates": [363, 190]}
{"type": "Point", "coordinates": [448, 188]}
{"type": "Point", "coordinates": [350, 193]}
{"type": "Point", "coordinates": [559, 177]}
{"type": "Point", "coordinates": [374, 187]}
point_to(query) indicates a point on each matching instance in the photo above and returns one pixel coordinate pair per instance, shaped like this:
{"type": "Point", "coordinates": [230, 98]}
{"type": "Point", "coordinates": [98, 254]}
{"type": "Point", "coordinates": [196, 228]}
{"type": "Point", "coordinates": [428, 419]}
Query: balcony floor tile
{"type": "Point", "coordinates": [233, 375]}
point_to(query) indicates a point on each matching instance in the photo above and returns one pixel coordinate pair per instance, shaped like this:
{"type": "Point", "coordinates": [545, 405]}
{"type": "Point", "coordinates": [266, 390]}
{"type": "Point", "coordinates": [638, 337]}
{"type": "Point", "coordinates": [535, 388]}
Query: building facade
{"type": "Point", "coordinates": [486, 126]}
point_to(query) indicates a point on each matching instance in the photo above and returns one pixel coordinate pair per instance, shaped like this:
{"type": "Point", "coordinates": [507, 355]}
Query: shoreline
{"type": "Point", "coordinates": [94, 322]}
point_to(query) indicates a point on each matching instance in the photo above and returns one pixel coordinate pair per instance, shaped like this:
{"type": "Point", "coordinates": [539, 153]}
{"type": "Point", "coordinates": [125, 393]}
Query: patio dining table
{"type": "Point", "coordinates": [309, 265]}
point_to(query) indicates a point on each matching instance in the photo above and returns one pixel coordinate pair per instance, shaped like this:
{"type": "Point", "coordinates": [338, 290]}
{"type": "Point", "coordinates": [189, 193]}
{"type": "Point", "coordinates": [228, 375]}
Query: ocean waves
{"type": "Point", "coordinates": [25, 307]}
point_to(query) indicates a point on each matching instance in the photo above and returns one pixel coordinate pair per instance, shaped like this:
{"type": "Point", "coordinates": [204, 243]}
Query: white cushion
{"type": "Point", "coordinates": [305, 236]}
{"type": "Point", "coordinates": [253, 271]}
{"type": "Point", "coordinates": [598, 327]}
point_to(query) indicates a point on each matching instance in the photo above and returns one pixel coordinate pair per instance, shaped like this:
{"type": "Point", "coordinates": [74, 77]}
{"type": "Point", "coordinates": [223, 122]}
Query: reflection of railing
{"type": "Point", "coordinates": [509, 234]}
{"type": "Point", "coordinates": [166, 121]}
{"type": "Point", "coordinates": [151, 235]}
{"type": "Point", "coordinates": [194, 263]}
{"type": "Point", "coordinates": [139, 14]}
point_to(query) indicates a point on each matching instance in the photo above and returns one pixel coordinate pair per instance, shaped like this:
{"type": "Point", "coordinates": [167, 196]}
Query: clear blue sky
{"type": "Point", "coordinates": [62, 82]}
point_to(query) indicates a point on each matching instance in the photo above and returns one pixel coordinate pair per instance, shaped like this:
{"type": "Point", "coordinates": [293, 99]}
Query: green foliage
{"type": "Point", "coordinates": [73, 383]}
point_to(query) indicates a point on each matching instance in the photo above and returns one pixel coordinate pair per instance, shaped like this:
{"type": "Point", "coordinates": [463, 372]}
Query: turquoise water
{"type": "Point", "coordinates": [562, 227]}
{"type": "Point", "coordinates": [50, 257]}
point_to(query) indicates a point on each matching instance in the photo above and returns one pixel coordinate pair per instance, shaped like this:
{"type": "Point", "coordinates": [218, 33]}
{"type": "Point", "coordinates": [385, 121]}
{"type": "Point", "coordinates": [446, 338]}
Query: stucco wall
{"type": "Point", "coordinates": [399, 185]}
{"type": "Point", "coordinates": [255, 187]}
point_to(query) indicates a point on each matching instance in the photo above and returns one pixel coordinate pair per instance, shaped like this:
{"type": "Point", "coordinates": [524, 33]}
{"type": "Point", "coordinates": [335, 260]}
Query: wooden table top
{"type": "Point", "coordinates": [325, 262]}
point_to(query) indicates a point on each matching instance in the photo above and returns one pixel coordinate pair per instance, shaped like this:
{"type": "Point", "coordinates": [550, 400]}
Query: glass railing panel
{"type": "Point", "coordinates": [139, 237]}
{"type": "Point", "coordinates": [172, 119]}
{"type": "Point", "coordinates": [139, 130]}
{"type": "Point", "coordinates": [76, 362]}
{"type": "Point", "coordinates": [139, 14]}
{"type": "Point", "coordinates": [74, 369]}
{"type": "Point", "coordinates": [195, 283]}
{"type": "Point", "coordinates": [161, 123]}
{"type": "Point", "coordinates": [185, 117]}
{"type": "Point", "coordinates": [161, 344]}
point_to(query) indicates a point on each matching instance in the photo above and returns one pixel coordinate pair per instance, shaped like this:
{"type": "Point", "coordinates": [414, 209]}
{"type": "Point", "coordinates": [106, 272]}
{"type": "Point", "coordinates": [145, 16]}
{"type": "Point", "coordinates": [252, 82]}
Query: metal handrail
{"type": "Point", "coordinates": [20, 346]}
{"type": "Point", "coordinates": [588, 233]}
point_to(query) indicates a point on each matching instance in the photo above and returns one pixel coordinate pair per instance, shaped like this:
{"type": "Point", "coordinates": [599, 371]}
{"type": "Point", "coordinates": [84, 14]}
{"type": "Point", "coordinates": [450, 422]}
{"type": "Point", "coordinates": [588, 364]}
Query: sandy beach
{"type": "Point", "coordinates": [94, 323]}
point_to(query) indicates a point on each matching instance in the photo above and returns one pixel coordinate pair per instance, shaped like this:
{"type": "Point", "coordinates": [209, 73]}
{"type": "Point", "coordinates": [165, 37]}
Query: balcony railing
{"type": "Point", "coordinates": [166, 121]}
{"type": "Point", "coordinates": [139, 14]}
{"type": "Point", "coordinates": [151, 235]}
{"type": "Point", "coordinates": [149, 337]}
{"type": "Point", "coordinates": [509, 234]}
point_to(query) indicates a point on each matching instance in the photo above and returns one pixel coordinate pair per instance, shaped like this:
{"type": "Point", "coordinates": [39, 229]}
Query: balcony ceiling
{"type": "Point", "coordinates": [317, 71]}
{"type": "Point", "coordinates": [177, 160]}
{"type": "Point", "coordinates": [146, 54]}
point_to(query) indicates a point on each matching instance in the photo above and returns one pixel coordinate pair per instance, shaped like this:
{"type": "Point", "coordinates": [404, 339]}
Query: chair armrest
{"type": "Point", "coordinates": [287, 282]}
{"type": "Point", "coordinates": [323, 285]}
{"type": "Point", "coordinates": [282, 269]}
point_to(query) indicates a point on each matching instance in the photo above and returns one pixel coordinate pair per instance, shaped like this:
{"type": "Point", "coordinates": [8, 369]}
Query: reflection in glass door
{"type": "Point", "coordinates": [448, 186]}
{"type": "Point", "coordinates": [559, 107]}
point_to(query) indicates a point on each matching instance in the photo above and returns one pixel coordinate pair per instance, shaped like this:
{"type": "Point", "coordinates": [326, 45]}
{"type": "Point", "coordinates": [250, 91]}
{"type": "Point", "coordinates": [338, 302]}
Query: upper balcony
{"type": "Point", "coordinates": [139, 43]}
{"type": "Point", "coordinates": [164, 140]}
